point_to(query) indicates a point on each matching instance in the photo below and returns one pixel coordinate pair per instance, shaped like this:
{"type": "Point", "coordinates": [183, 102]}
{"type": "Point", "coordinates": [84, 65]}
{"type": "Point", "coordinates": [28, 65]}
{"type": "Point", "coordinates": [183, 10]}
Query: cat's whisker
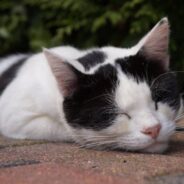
{"type": "Point", "coordinates": [91, 144]}
{"type": "Point", "coordinates": [97, 137]}
{"type": "Point", "coordinates": [106, 95]}
{"type": "Point", "coordinates": [179, 118]}
{"type": "Point", "coordinates": [163, 75]}
{"type": "Point", "coordinates": [170, 128]}
{"type": "Point", "coordinates": [162, 90]}
{"type": "Point", "coordinates": [180, 115]}
{"type": "Point", "coordinates": [96, 144]}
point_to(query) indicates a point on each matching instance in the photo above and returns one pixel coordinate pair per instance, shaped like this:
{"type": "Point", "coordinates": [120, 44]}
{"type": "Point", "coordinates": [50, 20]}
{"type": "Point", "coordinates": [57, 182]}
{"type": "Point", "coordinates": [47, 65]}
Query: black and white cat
{"type": "Point", "coordinates": [102, 97]}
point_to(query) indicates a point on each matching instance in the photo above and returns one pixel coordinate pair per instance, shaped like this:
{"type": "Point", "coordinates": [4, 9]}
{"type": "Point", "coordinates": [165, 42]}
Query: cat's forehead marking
{"type": "Point", "coordinates": [92, 59]}
{"type": "Point", "coordinates": [140, 67]}
{"type": "Point", "coordinates": [106, 55]}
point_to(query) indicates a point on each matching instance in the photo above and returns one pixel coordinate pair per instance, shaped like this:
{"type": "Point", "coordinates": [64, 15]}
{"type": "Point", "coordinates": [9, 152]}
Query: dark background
{"type": "Point", "coordinates": [29, 25]}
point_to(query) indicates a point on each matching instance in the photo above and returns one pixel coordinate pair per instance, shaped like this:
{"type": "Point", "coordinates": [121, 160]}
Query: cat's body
{"type": "Point", "coordinates": [33, 95]}
{"type": "Point", "coordinates": [101, 97]}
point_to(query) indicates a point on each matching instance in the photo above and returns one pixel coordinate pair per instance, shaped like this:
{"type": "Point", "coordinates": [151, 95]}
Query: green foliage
{"type": "Point", "coordinates": [29, 25]}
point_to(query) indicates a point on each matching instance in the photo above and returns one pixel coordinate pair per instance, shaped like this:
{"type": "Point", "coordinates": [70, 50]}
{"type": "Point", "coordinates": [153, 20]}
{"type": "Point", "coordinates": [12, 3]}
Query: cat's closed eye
{"type": "Point", "coordinates": [125, 114]}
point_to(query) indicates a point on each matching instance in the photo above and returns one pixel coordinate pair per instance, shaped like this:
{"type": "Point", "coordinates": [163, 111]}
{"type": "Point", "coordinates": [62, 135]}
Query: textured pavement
{"type": "Point", "coordinates": [39, 162]}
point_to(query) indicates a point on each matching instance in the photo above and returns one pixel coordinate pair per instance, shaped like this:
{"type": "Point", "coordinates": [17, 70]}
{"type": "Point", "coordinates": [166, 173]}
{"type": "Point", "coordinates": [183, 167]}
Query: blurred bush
{"type": "Point", "coordinates": [29, 25]}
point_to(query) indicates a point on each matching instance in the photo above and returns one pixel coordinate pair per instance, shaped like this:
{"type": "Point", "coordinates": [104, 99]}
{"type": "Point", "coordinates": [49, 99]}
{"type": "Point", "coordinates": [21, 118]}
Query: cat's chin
{"type": "Point", "coordinates": [158, 147]}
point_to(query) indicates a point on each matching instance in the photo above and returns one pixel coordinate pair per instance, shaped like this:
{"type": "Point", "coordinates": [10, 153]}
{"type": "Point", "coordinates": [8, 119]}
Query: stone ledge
{"type": "Point", "coordinates": [33, 162]}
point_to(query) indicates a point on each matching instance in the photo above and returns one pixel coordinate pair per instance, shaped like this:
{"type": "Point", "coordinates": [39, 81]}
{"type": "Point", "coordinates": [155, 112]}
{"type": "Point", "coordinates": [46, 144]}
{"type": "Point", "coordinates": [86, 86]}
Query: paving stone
{"type": "Point", "coordinates": [16, 163]}
{"type": "Point", "coordinates": [57, 174]}
{"type": "Point", "coordinates": [7, 142]}
{"type": "Point", "coordinates": [168, 179]}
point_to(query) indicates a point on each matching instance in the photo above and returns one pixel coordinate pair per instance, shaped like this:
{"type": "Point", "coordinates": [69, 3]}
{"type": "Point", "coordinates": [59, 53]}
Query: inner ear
{"type": "Point", "coordinates": [64, 73]}
{"type": "Point", "coordinates": [154, 45]}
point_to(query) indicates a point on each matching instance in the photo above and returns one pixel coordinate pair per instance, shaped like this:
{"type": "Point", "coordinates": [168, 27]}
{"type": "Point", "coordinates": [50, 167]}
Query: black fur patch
{"type": "Point", "coordinates": [92, 59]}
{"type": "Point", "coordinates": [165, 89]}
{"type": "Point", "coordinates": [163, 83]}
{"type": "Point", "coordinates": [91, 106]}
{"type": "Point", "coordinates": [140, 68]}
{"type": "Point", "coordinates": [10, 74]}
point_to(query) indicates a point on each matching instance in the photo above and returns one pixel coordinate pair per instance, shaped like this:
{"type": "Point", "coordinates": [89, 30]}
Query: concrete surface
{"type": "Point", "coordinates": [39, 162]}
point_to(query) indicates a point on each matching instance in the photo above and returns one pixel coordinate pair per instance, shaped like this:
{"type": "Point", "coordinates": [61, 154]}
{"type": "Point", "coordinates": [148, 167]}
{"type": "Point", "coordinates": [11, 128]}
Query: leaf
{"type": "Point", "coordinates": [4, 32]}
{"type": "Point", "coordinates": [98, 23]}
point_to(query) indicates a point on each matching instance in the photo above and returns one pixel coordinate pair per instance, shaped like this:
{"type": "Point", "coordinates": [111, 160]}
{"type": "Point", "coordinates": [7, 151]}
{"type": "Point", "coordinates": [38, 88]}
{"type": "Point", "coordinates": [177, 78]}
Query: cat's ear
{"type": "Point", "coordinates": [63, 72]}
{"type": "Point", "coordinates": [154, 45]}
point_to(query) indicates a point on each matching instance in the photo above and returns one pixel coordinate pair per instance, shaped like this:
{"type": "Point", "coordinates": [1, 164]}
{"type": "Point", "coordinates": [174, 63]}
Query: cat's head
{"type": "Point", "coordinates": [121, 98]}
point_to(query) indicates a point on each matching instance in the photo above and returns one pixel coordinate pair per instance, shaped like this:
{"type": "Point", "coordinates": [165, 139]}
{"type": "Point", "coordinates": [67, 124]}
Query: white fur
{"type": "Point", "coordinates": [31, 106]}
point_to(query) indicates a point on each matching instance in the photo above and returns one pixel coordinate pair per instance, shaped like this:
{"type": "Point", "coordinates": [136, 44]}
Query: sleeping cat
{"type": "Point", "coordinates": [100, 98]}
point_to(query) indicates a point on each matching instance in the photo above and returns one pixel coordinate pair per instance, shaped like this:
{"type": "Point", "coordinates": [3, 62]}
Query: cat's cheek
{"type": "Point", "coordinates": [166, 117]}
{"type": "Point", "coordinates": [165, 110]}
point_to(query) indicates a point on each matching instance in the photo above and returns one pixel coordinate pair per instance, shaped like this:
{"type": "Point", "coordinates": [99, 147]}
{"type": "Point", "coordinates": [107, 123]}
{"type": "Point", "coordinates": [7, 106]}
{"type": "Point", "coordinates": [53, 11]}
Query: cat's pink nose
{"type": "Point", "coordinates": [152, 131]}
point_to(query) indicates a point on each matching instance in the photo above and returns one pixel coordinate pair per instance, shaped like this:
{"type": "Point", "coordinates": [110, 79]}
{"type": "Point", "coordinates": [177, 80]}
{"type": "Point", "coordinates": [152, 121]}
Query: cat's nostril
{"type": "Point", "coordinates": [153, 131]}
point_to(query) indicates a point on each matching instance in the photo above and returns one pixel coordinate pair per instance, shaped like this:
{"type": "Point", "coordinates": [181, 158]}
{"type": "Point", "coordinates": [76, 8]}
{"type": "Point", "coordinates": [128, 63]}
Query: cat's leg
{"type": "Point", "coordinates": [35, 127]}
